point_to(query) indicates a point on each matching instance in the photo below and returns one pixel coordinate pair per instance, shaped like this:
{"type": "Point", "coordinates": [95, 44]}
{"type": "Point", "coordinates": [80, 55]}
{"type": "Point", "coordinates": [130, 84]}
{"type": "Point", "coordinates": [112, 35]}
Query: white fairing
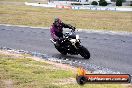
{"type": "Point", "coordinates": [77, 36]}
{"type": "Point", "coordinates": [73, 41]}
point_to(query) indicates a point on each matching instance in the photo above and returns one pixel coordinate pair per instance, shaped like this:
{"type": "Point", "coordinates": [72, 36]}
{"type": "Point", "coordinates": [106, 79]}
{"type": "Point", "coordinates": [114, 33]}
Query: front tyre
{"type": "Point", "coordinates": [84, 52]}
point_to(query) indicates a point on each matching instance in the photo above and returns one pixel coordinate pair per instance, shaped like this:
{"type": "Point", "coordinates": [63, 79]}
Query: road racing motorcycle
{"type": "Point", "coordinates": [71, 44]}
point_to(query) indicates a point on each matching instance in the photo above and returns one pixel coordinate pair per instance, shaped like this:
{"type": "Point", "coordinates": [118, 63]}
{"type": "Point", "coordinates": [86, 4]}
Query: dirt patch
{"type": "Point", "coordinates": [65, 81]}
{"type": "Point", "coordinates": [6, 84]}
{"type": "Point", "coordinates": [127, 85]}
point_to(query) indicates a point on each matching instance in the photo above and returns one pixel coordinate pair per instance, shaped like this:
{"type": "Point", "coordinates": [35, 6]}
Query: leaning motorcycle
{"type": "Point", "coordinates": [71, 44]}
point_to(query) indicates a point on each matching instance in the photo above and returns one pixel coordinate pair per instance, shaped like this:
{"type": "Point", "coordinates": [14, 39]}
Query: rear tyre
{"type": "Point", "coordinates": [84, 52]}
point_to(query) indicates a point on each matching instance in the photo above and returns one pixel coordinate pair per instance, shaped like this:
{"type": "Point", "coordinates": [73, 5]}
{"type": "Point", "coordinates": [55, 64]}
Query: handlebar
{"type": "Point", "coordinates": [72, 30]}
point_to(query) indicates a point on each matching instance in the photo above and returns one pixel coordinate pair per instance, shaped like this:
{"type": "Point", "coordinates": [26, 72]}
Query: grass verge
{"type": "Point", "coordinates": [86, 19]}
{"type": "Point", "coordinates": [23, 72]}
{"type": "Point", "coordinates": [15, 0]}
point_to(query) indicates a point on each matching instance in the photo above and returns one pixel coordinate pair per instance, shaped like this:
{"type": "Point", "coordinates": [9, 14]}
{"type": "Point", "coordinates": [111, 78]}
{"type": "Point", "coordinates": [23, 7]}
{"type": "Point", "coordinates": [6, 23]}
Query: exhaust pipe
{"type": "Point", "coordinates": [52, 41]}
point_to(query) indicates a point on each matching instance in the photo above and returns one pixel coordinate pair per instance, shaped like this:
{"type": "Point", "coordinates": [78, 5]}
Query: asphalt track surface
{"type": "Point", "coordinates": [111, 51]}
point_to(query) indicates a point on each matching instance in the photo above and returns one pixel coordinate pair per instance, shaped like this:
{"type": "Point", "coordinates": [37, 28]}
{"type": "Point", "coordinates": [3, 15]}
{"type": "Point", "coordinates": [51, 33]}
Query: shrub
{"type": "Point", "coordinates": [103, 3]}
{"type": "Point", "coordinates": [78, 4]}
{"type": "Point", "coordinates": [94, 3]}
{"type": "Point", "coordinates": [118, 2]}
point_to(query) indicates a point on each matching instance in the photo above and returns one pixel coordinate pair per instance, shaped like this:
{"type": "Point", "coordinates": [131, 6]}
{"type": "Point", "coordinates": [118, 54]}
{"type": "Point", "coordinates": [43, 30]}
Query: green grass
{"type": "Point", "coordinates": [16, 0]}
{"type": "Point", "coordinates": [28, 73]}
{"type": "Point", "coordinates": [37, 16]}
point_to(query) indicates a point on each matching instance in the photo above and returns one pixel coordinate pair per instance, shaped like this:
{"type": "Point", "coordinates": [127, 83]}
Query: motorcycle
{"type": "Point", "coordinates": [71, 44]}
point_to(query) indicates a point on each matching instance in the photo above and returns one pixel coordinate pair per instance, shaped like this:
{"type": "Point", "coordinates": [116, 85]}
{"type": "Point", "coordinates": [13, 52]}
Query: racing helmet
{"type": "Point", "coordinates": [57, 21]}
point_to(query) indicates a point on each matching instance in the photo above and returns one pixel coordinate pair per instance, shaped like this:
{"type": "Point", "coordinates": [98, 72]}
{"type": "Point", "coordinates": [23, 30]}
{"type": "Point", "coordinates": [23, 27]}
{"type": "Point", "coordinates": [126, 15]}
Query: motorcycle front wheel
{"type": "Point", "coordinates": [84, 52]}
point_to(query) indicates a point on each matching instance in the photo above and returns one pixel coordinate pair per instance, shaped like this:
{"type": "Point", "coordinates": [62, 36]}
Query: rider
{"type": "Point", "coordinates": [56, 30]}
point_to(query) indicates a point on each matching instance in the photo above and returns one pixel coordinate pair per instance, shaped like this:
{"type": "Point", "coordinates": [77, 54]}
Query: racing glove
{"type": "Point", "coordinates": [73, 28]}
